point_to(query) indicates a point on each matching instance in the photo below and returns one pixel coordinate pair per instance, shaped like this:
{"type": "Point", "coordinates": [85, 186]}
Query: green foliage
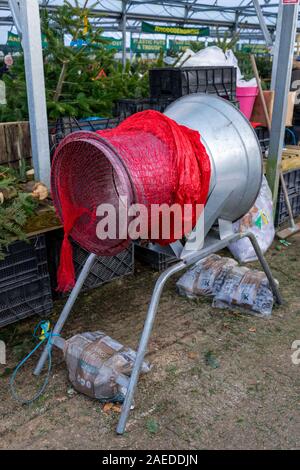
{"type": "Point", "coordinates": [228, 40]}
{"type": "Point", "coordinates": [197, 46]}
{"type": "Point", "coordinates": [264, 66]}
{"type": "Point", "coordinates": [14, 211]}
{"type": "Point", "coordinates": [73, 85]}
{"type": "Point", "coordinates": [152, 426]}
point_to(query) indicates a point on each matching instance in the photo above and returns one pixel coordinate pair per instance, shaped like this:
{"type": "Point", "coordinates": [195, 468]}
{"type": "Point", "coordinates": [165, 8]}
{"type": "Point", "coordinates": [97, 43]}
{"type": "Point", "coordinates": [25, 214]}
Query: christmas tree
{"type": "Point", "coordinates": [80, 81]}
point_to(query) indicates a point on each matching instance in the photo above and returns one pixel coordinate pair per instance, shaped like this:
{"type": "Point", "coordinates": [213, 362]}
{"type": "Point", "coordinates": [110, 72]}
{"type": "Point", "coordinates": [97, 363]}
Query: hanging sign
{"type": "Point", "coordinates": [179, 45]}
{"type": "Point", "coordinates": [150, 46]}
{"type": "Point", "coordinates": [108, 43]}
{"type": "Point", "coordinates": [255, 49]}
{"type": "Point", "coordinates": [112, 43]}
{"type": "Point", "coordinates": [78, 43]}
{"type": "Point", "coordinates": [174, 30]}
{"type": "Point", "coordinates": [14, 40]}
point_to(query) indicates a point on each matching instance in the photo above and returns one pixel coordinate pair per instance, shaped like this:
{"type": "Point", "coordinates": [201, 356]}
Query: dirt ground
{"type": "Point", "coordinates": [220, 380]}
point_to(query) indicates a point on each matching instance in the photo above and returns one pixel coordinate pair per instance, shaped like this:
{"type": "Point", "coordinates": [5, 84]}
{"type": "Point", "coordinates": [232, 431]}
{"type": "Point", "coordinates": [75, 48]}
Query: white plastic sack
{"type": "Point", "coordinates": [186, 56]}
{"type": "Point", "coordinates": [258, 221]}
{"type": "Point", "coordinates": [232, 61]}
{"type": "Point", "coordinates": [214, 56]}
{"type": "Point", "coordinates": [247, 83]}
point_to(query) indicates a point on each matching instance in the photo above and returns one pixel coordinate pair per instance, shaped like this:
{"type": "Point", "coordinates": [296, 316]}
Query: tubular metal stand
{"type": "Point", "coordinates": [212, 245]}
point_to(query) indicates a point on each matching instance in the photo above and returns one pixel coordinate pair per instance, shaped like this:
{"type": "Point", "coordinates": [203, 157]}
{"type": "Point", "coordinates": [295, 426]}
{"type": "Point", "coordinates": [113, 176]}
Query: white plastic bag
{"type": "Point", "coordinates": [185, 57]}
{"type": "Point", "coordinates": [214, 56]}
{"type": "Point", "coordinates": [232, 61]}
{"type": "Point", "coordinates": [210, 56]}
{"type": "Point", "coordinates": [258, 221]}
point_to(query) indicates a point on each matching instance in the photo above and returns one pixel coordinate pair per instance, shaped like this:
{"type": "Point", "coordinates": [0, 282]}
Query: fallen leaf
{"type": "Point", "coordinates": [117, 408]}
{"type": "Point", "coordinates": [108, 407]}
{"type": "Point", "coordinates": [61, 399]}
{"type": "Point", "coordinates": [192, 355]}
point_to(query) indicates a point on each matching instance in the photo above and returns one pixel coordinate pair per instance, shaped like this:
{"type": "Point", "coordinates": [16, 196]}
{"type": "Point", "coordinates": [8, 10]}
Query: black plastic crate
{"type": "Point", "coordinates": [282, 214]}
{"type": "Point", "coordinates": [292, 181]}
{"type": "Point", "coordinates": [155, 259]}
{"type": "Point", "coordinates": [24, 260]}
{"type": "Point", "coordinates": [263, 136]}
{"type": "Point", "coordinates": [30, 298]}
{"type": "Point", "coordinates": [25, 288]}
{"type": "Point", "coordinates": [105, 268]}
{"type": "Point", "coordinates": [127, 107]}
{"type": "Point", "coordinates": [65, 126]}
{"type": "Point", "coordinates": [172, 83]}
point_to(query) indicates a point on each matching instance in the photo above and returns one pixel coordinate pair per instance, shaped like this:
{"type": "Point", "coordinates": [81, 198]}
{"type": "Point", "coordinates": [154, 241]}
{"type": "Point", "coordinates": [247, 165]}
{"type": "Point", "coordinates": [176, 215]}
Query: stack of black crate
{"type": "Point", "coordinates": [24, 281]}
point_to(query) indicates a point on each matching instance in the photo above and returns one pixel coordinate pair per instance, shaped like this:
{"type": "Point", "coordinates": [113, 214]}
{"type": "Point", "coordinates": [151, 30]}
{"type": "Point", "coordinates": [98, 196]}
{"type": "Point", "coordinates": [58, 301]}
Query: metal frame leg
{"type": "Point", "coordinates": [265, 267]}
{"type": "Point", "coordinates": [152, 310]}
{"type": "Point", "coordinates": [67, 309]}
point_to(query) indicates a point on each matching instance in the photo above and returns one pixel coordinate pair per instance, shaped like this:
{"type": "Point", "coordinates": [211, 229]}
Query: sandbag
{"type": "Point", "coordinates": [206, 277]}
{"type": "Point", "coordinates": [99, 366]}
{"type": "Point", "coordinates": [246, 291]}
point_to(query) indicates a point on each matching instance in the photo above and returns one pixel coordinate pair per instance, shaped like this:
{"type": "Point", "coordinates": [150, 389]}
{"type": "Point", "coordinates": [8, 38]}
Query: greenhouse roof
{"type": "Point", "coordinates": [225, 14]}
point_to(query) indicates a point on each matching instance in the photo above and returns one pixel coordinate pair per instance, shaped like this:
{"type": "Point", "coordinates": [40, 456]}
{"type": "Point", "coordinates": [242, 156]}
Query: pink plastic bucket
{"type": "Point", "coordinates": [246, 97]}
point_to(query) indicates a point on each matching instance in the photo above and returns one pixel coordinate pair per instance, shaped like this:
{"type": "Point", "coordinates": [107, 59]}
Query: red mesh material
{"type": "Point", "coordinates": [148, 158]}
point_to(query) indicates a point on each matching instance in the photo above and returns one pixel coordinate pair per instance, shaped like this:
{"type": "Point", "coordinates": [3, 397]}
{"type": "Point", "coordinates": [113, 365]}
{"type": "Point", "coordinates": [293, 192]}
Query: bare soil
{"type": "Point", "coordinates": [245, 396]}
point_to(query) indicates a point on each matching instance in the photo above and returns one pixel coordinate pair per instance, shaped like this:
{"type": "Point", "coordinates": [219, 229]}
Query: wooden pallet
{"type": "Point", "coordinates": [15, 143]}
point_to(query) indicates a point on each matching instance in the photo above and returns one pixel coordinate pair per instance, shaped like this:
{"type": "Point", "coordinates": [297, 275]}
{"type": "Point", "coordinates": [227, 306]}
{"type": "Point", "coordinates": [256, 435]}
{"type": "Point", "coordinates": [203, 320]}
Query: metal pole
{"type": "Point", "coordinates": [282, 87]}
{"type": "Point", "coordinates": [160, 283]}
{"type": "Point", "coordinates": [35, 82]}
{"type": "Point", "coordinates": [276, 45]}
{"type": "Point", "coordinates": [265, 266]}
{"type": "Point", "coordinates": [15, 10]}
{"type": "Point", "coordinates": [67, 309]}
{"type": "Point", "coordinates": [131, 54]}
{"type": "Point", "coordinates": [262, 23]}
{"type": "Point", "coordinates": [124, 35]}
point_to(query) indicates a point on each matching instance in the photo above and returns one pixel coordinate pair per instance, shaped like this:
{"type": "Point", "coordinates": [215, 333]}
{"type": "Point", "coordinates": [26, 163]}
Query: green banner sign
{"type": "Point", "coordinates": [112, 43]}
{"type": "Point", "coordinates": [174, 30]}
{"type": "Point", "coordinates": [179, 45]}
{"type": "Point", "coordinates": [255, 48]}
{"type": "Point", "coordinates": [14, 40]}
{"type": "Point", "coordinates": [150, 46]}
